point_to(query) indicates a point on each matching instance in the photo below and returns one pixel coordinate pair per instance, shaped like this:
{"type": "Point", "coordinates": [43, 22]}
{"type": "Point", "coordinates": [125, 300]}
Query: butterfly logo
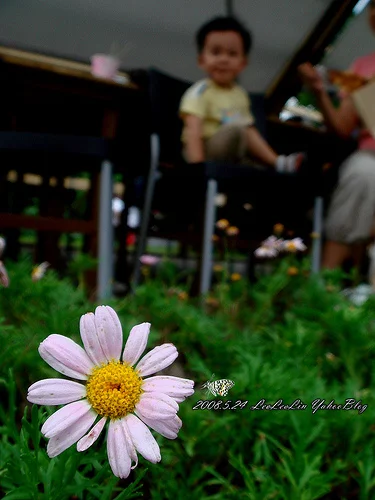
{"type": "Point", "coordinates": [218, 387]}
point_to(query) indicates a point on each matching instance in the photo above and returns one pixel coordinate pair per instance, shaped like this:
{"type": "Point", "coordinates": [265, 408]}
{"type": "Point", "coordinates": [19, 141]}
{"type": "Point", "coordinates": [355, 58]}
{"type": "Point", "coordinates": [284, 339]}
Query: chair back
{"type": "Point", "coordinates": [258, 110]}
{"type": "Point", "coordinates": [165, 94]}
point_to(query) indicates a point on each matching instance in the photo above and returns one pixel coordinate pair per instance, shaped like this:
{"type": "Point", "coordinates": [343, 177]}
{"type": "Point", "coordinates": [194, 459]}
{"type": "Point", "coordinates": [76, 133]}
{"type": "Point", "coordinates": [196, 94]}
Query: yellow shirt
{"type": "Point", "coordinates": [217, 106]}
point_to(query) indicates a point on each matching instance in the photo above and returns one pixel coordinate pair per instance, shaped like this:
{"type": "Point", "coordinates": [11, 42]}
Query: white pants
{"type": "Point", "coordinates": [351, 213]}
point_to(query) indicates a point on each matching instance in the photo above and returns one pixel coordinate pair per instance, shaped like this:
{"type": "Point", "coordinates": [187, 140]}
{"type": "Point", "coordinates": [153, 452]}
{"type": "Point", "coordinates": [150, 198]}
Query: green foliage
{"type": "Point", "coordinates": [289, 337]}
{"type": "Point", "coordinates": [27, 473]}
{"type": "Point", "coordinates": [77, 267]}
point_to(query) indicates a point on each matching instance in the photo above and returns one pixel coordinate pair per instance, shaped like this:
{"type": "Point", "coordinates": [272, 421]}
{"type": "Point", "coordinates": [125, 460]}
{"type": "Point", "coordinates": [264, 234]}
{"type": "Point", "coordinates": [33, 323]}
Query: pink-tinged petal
{"type": "Point", "coordinates": [65, 417]}
{"type": "Point", "coordinates": [130, 446]}
{"type": "Point", "coordinates": [2, 245]}
{"type": "Point", "coordinates": [90, 438]}
{"type": "Point", "coordinates": [271, 241]}
{"type": "Point", "coordinates": [159, 358]}
{"type": "Point", "coordinates": [175, 387]}
{"type": "Point", "coordinates": [89, 336]}
{"type": "Point", "coordinates": [117, 450]}
{"type": "Point", "coordinates": [167, 428]}
{"type": "Point", "coordinates": [70, 435]}
{"type": "Point", "coordinates": [266, 252]}
{"type": "Point", "coordinates": [109, 332]}
{"type": "Point", "coordinates": [149, 260]}
{"type": "Point", "coordinates": [156, 405]}
{"type": "Point", "coordinates": [4, 278]}
{"type": "Point", "coordinates": [136, 343]}
{"type": "Point", "coordinates": [142, 439]}
{"type": "Point", "coordinates": [65, 356]}
{"type": "Point", "coordinates": [55, 391]}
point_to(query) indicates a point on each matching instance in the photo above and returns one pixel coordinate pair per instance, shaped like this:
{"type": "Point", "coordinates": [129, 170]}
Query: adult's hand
{"type": "Point", "coordinates": [311, 77]}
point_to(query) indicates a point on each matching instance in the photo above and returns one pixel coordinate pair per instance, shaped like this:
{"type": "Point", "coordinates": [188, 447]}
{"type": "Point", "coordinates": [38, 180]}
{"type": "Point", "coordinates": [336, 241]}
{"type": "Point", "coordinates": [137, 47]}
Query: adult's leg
{"type": "Point", "coordinates": [334, 254]}
{"type": "Point", "coordinates": [351, 213]}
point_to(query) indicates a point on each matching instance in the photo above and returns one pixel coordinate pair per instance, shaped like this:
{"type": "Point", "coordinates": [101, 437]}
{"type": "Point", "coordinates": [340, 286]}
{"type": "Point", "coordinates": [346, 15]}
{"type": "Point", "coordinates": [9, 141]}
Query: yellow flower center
{"type": "Point", "coordinates": [114, 389]}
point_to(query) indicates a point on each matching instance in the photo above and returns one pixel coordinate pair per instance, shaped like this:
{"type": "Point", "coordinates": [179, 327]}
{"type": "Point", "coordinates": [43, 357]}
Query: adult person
{"type": "Point", "coordinates": [350, 218]}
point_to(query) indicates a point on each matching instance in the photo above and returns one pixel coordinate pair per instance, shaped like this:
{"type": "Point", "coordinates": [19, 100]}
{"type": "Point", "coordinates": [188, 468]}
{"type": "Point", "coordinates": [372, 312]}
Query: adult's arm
{"type": "Point", "coordinates": [342, 120]}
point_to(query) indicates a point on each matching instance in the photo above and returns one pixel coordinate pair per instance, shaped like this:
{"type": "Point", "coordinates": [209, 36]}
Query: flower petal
{"type": "Point", "coordinates": [64, 417]}
{"type": "Point", "coordinates": [2, 245]}
{"type": "Point", "coordinates": [4, 278]}
{"type": "Point", "coordinates": [109, 331]}
{"type": "Point", "coordinates": [175, 387]}
{"type": "Point", "coordinates": [130, 445]}
{"type": "Point", "coordinates": [92, 436]}
{"type": "Point", "coordinates": [156, 405]}
{"type": "Point", "coordinates": [167, 428]}
{"type": "Point", "coordinates": [89, 336]}
{"type": "Point", "coordinates": [117, 450]}
{"type": "Point", "coordinates": [55, 391]}
{"type": "Point", "coordinates": [136, 343]}
{"type": "Point", "coordinates": [142, 439]}
{"type": "Point", "coordinates": [65, 356]}
{"type": "Point", "coordinates": [70, 435]}
{"type": "Point", "coordinates": [266, 252]}
{"type": "Point", "coordinates": [159, 358]}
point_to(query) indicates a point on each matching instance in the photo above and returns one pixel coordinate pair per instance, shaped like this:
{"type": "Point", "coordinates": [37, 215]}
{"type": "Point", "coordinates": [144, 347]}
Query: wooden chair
{"type": "Point", "coordinates": [200, 181]}
{"type": "Point", "coordinates": [47, 154]}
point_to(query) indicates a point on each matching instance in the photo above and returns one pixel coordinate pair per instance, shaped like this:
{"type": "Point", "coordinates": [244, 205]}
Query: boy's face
{"type": "Point", "coordinates": [223, 57]}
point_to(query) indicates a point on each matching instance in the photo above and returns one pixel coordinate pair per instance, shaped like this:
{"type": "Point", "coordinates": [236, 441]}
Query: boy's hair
{"type": "Point", "coordinates": [224, 23]}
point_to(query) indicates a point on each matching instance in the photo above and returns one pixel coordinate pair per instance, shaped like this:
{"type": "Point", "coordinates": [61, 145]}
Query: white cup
{"type": "Point", "coordinates": [104, 66]}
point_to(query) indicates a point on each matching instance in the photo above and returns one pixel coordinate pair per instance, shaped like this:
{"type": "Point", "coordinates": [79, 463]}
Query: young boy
{"type": "Point", "coordinates": [218, 124]}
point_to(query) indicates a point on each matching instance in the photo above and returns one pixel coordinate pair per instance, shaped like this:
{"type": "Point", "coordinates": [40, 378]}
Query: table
{"type": "Point", "coordinates": [54, 95]}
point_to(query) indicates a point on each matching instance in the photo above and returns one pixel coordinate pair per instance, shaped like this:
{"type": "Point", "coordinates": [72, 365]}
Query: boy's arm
{"type": "Point", "coordinates": [193, 138]}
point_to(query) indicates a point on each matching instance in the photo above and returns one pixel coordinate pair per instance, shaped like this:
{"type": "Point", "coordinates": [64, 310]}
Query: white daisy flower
{"type": "Point", "coordinates": [266, 252]}
{"type": "Point", "coordinates": [149, 260]}
{"type": "Point", "coordinates": [270, 247]}
{"type": "Point", "coordinates": [294, 245]}
{"type": "Point", "coordinates": [115, 391]}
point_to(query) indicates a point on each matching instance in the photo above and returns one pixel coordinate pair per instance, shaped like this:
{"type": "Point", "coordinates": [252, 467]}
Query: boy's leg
{"type": "Point", "coordinates": [259, 148]}
{"type": "Point", "coordinates": [228, 144]}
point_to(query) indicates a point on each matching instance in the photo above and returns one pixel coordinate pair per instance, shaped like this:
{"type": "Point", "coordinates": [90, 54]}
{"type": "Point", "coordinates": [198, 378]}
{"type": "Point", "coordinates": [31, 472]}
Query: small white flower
{"type": "Point", "coordinates": [273, 242]}
{"type": "Point", "coordinates": [149, 260]}
{"type": "Point", "coordinates": [118, 206]}
{"type": "Point", "coordinates": [270, 247]}
{"type": "Point", "coordinates": [294, 245]}
{"type": "Point", "coordinates": [115, 391]}
{"type": "Point", "coordinates": [266, 252]}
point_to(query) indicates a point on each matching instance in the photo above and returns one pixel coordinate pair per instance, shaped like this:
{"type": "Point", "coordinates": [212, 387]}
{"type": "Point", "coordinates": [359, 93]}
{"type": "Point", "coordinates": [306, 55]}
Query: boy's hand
{"type": "Point", "coordinates": [311, 77]}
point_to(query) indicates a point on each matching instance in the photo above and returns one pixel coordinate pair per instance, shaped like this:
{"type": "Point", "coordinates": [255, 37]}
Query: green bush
{"type": "Point", "coordinates": [287, 337]}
